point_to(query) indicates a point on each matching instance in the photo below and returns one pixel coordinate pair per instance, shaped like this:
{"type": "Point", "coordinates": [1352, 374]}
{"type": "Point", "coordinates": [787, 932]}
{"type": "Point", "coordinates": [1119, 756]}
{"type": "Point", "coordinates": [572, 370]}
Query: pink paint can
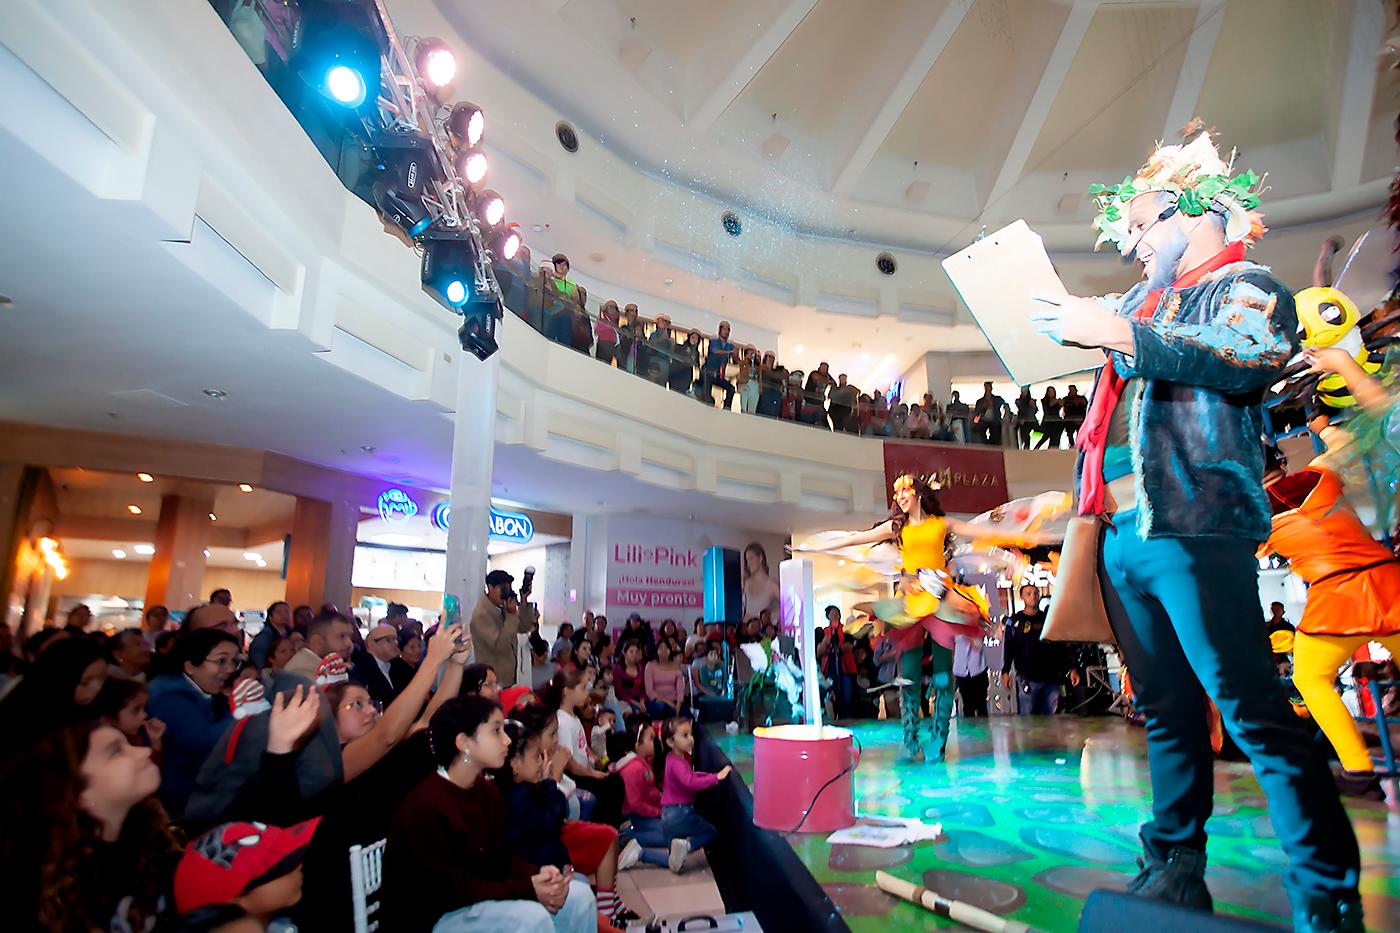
{"type": "Point", "coordinates": [791, 764]}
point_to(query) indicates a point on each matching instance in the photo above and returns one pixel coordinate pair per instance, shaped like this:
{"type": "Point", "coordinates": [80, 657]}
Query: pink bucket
{"type": "Point", "coordinates": [791, 764]}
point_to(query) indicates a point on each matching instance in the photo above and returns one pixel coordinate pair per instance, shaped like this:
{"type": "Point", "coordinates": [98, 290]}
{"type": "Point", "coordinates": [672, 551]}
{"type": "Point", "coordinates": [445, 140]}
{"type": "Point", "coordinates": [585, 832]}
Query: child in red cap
{"type": "Point", "coordinates": [255, 866]}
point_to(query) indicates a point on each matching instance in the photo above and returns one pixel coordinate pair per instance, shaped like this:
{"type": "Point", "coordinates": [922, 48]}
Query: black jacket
{"type": "Point", "coordinates": [382, 690]}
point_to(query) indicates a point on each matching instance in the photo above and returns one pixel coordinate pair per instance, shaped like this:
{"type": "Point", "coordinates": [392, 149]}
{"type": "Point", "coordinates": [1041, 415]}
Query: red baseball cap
{"type": "Point", "coordinates": [512, 697]}
{"type": "Point", "coordinates": [234, 858]}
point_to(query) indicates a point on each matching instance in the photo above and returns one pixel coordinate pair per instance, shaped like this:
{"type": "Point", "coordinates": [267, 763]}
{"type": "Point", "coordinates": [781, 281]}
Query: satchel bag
{"type": "Point", "coordinates": [1077, 612]}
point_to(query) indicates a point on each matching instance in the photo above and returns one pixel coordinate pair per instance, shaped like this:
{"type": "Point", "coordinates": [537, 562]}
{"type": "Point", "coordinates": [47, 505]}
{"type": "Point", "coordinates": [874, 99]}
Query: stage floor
{"type": "Point", "coordinates": [1038, 811]}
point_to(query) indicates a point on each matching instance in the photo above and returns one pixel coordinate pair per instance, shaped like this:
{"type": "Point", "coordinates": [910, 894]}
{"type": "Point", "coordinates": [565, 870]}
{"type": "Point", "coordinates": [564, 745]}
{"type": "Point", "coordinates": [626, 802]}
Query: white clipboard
{"type": "Point", "coordinates": [996, 277]}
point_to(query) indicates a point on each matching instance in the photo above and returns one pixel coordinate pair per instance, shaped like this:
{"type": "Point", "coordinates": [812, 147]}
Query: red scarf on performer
{"type": "Point", "coordinates": [1108, 389]}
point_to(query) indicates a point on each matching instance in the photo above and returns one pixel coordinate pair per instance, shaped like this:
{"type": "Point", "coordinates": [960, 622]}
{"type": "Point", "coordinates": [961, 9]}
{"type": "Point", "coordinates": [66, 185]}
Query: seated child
{"type": "Point", "coordinates": [679, 782]}
{"type": "Point", "coordinates": [538, 829]}
{"type": "Point", "coordinates": [633, 750]}
{"type": "Point", "coordinates": [598, 736]}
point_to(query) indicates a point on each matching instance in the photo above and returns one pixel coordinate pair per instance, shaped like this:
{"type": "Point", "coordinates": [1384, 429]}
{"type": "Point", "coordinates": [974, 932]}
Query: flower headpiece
{"type": "Point", "coordinates": [906, 481]}
{"type": "Point", "coordinates": [1200, 181]}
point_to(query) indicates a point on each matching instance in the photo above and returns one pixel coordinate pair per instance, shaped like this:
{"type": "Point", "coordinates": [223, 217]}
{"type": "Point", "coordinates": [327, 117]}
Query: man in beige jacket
{"type": "Point", "coordinates": [494, 628]}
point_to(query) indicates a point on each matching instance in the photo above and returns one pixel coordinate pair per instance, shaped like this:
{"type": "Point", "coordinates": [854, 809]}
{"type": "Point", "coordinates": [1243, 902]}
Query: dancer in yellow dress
{"type": "Point", "coordinates": [930, 601]}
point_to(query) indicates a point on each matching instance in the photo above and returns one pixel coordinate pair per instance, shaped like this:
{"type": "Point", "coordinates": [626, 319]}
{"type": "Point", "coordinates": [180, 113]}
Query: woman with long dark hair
{"type": "Point", "coordinates": [56, 691]}
{"type": "Point", "coordinates": [929, 602]}
{"type": "Point", "coordinates": [760, 589]}
{"type": "Point", "coordinates": [86, 845]}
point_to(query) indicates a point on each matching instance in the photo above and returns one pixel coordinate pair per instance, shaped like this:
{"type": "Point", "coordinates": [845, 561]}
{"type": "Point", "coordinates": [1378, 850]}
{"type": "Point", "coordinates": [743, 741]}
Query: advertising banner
{"type": "Point", "coordinates": [973, 477]}
{"type": "Point", "coordinates": [655, 567]}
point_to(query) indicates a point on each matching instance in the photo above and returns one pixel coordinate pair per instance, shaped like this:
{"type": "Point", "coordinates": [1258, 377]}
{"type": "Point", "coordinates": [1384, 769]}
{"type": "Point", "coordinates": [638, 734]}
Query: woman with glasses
{"type": "Point", "coordinates": [192, 702]}
{"type": "Point", "coordinates": [385, 753]}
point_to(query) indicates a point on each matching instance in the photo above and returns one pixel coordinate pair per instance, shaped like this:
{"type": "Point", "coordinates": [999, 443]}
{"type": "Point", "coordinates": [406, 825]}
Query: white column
{"type": "Point", "coordinates": [473, 450]}
{"type": "Point", "coordinates": [579, 596]}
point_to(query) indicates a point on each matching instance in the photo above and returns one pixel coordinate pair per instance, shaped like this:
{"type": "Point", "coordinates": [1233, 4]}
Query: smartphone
{"type": "Point", "coordinates": [452, 608]}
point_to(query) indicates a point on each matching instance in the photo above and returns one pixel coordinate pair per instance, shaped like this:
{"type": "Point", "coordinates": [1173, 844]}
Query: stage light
{"type": "Point", "coordinates": [405, 163]}
{"type": "Point", "coordinates": [477, 334]}
{"type": "Point", "coordinates": [338, 54]}
{"type": "Point", "coordinates": [145, 477]}
{"type": "Point", "coordinates": [466, 124]}
{"type": "Point", "coordinates": [244, 487]}
{"type": "Point", "coordinates": [406, 212]}
{"type": "Point", "coordinates": [436, 64]}
{"type": "Point", "coordinates": [471, 165]}
{"type": "Point", "coordinates": [449, 267]}
{"type": "Point", "coordinates": [491, 208]}
{"type": "Point", "coordinates": [504, 243]}
{"type": "Point", "coordinates": [346, 86]}
{"type": "Point", "coordinates": [134, 509]}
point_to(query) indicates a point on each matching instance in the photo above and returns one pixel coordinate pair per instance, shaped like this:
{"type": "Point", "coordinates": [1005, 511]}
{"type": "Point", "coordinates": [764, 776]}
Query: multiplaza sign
{"type": "Point", "coordinates": [395, 505]}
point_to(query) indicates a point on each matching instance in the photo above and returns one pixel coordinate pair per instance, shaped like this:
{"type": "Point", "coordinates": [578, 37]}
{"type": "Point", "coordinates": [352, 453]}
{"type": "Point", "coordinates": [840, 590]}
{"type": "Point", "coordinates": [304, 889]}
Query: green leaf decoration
{"type": "Point", "coordinates": [1096, 188]}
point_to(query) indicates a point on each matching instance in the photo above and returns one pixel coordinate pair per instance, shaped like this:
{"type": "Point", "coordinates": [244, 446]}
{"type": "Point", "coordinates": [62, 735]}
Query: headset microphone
{"type": "Point", "coordinates": [1131, 254]}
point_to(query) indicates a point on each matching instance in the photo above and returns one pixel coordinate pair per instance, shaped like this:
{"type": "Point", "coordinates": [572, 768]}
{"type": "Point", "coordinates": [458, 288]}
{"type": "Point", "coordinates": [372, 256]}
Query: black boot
{"type": "Point", "coordinates": [1181, 879]}
{"type": "Point", "coordinates": [1324, 914]}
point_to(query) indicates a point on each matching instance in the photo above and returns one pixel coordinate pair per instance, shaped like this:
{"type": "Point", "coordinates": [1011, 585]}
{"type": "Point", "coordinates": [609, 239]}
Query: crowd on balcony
{"type": "Point", "coordinates": [717, 370]}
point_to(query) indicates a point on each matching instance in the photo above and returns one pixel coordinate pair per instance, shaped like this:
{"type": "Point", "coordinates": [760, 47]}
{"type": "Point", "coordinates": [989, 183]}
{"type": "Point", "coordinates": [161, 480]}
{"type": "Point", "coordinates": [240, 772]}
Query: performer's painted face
{"type": "Point", "coordinates": [1160, 243]}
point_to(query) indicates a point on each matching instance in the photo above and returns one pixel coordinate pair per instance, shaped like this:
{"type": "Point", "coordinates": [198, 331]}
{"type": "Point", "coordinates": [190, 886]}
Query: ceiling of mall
{"type": "Point", "coordinates": [807, 110]}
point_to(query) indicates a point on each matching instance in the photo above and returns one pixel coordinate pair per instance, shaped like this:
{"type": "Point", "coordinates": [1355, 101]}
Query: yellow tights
{"type": "Point", "coordinates": [1315, 662]}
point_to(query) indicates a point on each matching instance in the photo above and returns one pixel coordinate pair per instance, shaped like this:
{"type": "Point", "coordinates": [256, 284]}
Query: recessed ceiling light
{"type": "Point", "coordinates": [118, 553]}
{"type": "Point", "coordinates": [668, 280]}
{"type": "Point", "coordinates": [146, 549]}
{"type": "Point", "coordinates": [261, 562]}
{"type": "Point", "coordinates": [597, 257]}
{"type": "Point", "coordinates": [244, 487]}
{"type": "Point", "coordinates": [368, 448]}
{"type": "Point", "coordinates": [134, 509]}
{"type": "Point", "coordinates": [251, 555]}
{"type": "Point", "coordinates": [216, 393]}
{"type": "Point", "coordinates": [213, 517]}
{"type": "Point", "coordinates": [538, 228]}
{"type": "Point", "coordinates": [206, 552]}
{"type": "Point", "coordinates": [145, 477]}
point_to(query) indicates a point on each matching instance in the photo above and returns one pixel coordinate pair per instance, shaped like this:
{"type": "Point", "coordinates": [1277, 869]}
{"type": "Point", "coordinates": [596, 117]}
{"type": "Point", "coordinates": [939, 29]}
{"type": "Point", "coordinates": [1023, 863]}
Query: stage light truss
{"type": "Point", "coordinates": [405, 108]}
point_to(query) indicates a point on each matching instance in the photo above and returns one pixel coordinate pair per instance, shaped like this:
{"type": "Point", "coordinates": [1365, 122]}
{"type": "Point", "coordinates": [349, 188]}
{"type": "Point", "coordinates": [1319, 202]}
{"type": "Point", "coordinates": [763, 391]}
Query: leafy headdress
{"type": "Point", "coordinates": [1199, 179]}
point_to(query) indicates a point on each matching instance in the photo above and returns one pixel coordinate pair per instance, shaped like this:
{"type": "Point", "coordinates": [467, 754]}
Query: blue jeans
{"type": "Point", "coordinates": [1038, 698]}
{"type": "Point", "coordinates": [650, 835]}
{"type": "Point", "coordinates": [1187, 618]}
{"type": "Point", "coordinates": [578, 915]}
{"type": "Point", "coordinates": [680, 821]}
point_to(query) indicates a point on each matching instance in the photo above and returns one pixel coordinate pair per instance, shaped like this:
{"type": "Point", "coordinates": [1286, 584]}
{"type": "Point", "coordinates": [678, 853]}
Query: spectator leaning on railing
{"type": "Point", "coordinates": [721, 353]}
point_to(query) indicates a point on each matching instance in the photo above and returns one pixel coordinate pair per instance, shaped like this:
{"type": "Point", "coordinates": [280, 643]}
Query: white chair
{"type": "Point", "coordinates": [366, 876]}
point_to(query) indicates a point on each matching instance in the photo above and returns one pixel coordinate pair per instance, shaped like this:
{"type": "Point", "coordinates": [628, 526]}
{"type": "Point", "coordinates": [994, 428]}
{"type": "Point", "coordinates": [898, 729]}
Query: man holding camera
{"type": "Point", "coordinates": [494, 627]}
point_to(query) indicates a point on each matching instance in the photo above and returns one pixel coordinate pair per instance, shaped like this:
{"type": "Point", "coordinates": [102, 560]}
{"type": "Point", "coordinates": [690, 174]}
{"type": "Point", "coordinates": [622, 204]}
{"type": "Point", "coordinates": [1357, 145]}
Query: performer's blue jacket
{"type": "Point", "coordinates": [1200, 369]}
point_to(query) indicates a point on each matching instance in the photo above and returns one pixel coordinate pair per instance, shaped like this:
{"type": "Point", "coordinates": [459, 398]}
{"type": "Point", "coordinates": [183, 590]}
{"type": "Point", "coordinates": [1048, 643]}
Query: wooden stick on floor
{"type": "Point", "coordinates": [964, 913]}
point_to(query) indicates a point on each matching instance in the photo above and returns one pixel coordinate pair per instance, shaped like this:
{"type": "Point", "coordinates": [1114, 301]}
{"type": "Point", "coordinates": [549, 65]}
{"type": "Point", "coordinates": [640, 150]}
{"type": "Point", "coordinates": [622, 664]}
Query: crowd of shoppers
{"type": "Point", "coordinates": [717, 370]}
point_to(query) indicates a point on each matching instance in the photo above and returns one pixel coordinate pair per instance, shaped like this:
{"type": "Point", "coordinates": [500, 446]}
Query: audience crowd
{"type": "Point", "coordinates": [184, 776]}
{"type": "Point", "coordinates": [716, 370]}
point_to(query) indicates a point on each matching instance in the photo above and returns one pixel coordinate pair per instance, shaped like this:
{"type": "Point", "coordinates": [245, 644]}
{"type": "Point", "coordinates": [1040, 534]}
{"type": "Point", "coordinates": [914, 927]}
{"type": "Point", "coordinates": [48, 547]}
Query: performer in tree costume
{"type": "Point", "coordinates": [1353, 598]}
{"type": "Point", "coordinates": [1170, 456]}
{"type": "Point", "coordinates": [930, 601]}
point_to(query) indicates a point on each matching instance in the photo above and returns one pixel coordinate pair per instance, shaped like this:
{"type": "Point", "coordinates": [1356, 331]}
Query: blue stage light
{"type": "Point", "coordinates": [345, 86]}
{"type": "Point", "coordinates": [456, 292]}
